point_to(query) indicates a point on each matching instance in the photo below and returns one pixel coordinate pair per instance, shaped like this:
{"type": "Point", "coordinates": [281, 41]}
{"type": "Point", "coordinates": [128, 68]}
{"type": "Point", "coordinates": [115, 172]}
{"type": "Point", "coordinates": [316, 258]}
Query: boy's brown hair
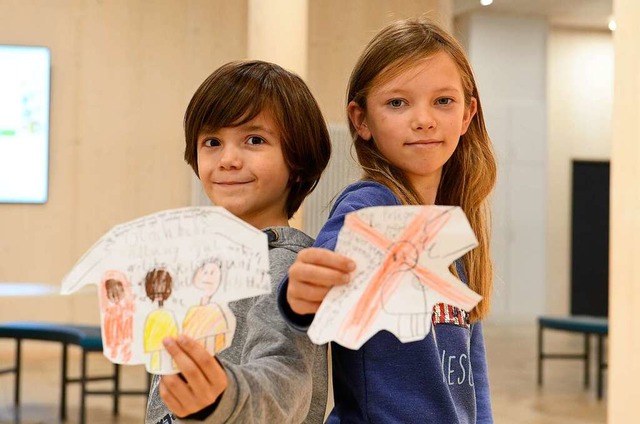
{"type": "Point", "coordinates": [237, 92]}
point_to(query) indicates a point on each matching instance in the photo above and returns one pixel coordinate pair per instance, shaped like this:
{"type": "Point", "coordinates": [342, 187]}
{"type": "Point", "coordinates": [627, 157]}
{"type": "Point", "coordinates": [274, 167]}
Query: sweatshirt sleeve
{"type": "Point", "coordinates": [358, 196]}
{"type": "Point", "coordinates": [480, 376]}
{"type": "Point", "coordinates": [273, 382]}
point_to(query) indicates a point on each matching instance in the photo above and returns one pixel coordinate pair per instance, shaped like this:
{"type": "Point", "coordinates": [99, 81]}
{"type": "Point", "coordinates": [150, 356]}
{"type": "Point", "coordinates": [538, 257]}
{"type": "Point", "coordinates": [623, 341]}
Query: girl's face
{"type": "Point", "coordinates": [416, 119]}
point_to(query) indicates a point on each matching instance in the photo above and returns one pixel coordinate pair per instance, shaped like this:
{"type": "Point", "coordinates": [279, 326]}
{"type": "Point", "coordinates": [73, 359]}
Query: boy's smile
{"type": "Point", "coordinates": [243, 170]}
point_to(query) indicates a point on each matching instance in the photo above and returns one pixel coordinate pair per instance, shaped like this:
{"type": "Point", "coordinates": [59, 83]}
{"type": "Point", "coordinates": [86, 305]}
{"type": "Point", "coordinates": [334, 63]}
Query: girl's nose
{"type": "Point", "coordinates": [231, 158]}
{"type": "Point", "coordinates": [423, 119]}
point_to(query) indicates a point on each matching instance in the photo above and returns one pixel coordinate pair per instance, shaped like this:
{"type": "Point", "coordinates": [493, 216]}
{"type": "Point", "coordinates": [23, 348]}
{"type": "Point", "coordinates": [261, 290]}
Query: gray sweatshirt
{"type": "Point", "coordinates": [274, 374]}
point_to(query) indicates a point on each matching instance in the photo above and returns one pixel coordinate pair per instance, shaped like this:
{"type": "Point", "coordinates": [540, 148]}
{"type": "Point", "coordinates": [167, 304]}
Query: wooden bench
{"type": "Point", "coordinates": [586, 325]}
{"type": "Point", "coordinates": [87, 338]}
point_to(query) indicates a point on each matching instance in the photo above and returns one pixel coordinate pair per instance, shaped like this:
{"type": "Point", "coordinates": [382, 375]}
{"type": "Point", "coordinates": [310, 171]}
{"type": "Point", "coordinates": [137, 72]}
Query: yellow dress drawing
{"type": "Point", "coordinates": [158, 325]}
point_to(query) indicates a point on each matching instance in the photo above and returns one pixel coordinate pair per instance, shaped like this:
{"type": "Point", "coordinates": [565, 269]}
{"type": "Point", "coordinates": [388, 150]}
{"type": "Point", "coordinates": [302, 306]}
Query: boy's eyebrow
{"type": "Point", "coordinates": [255, 127]}
{"type": "Point", "coordinates": [245, 127]}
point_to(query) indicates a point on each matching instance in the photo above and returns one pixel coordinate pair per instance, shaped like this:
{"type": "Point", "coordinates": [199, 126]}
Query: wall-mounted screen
{"type": "Point", "coordinates": [24, 124]}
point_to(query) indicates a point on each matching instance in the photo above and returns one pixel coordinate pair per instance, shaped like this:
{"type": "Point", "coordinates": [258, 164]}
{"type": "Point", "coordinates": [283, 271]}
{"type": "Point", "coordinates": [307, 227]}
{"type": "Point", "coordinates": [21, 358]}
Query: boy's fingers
{"type": "Point", "coordinates": [326, 258]}
{"type": "Point", "coordinates": [206, 377]}
{"type": "Point", "coordinates": [172, 389]}
{"type": "Point", "coordinates": [189, 368]}
{"type": "Point", "coordinates": [206, 370]}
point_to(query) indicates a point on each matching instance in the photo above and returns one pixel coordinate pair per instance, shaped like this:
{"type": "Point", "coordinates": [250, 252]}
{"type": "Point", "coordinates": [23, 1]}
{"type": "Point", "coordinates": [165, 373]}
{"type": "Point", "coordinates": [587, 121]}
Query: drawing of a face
{"type": "Point", "coordinates": [115, 290]}
{"type": "Point", "coordinates": [157, 284]}
{"type": "Point", "coordinates": [405, 254]}
{"type": "Point", "coordinates": [207, 277]}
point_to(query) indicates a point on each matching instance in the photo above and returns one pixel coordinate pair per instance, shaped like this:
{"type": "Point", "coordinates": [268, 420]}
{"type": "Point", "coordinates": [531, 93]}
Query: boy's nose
{"type": "Point", "coordinates": [231, 158]}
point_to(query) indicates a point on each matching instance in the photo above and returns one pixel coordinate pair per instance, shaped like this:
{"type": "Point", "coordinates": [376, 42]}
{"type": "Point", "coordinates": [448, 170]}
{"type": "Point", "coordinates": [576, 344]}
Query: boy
{"type": "Point", "coordinates": [257, 140]}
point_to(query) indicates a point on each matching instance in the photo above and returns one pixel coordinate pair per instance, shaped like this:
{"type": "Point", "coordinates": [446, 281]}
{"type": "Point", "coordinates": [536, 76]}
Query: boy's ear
{"type": "Point", "coordinates": [469, 113]}
{"type": "Point", "coordinates": [358, 118]}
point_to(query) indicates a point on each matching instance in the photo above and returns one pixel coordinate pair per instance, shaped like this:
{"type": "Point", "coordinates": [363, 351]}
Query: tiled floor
{"type": "Point", "coordinates": [511, 352]}
{"type": "Point", "coordinates": [40, 394]}
{"type": "Point", "coordinates": [510, 349]}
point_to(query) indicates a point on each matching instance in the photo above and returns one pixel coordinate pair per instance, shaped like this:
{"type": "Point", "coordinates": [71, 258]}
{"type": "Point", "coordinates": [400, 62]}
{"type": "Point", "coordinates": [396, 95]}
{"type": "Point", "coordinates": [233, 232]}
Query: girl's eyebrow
{"type": "Point", "coordinates": [402, 91]}
{"type": "Point", "coordinates": [448, 88]}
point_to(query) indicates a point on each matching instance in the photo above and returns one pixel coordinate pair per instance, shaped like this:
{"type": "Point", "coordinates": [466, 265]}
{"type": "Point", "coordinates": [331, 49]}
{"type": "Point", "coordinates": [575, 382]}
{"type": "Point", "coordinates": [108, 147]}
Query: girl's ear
{"type": "Point", "coordinates": [469, 113]}
{"type": "Point", "coordinates": [358, 118]}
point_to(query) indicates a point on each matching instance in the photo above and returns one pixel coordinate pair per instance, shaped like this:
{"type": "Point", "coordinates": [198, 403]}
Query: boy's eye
{"type": "Point", "coordinates": [395, 103]}
{"type": "Point", "coordinates": [444, 101]}
{"type": "Point", "coordinates": [212, 142]}
{"type": "Point", "coordinates": [255, 140]}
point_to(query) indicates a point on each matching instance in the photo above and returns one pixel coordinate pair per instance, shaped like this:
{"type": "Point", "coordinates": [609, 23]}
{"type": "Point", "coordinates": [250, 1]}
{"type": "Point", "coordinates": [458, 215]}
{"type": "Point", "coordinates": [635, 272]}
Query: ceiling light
{"type": "Point", "coordinates": [486, 2]}
{"type": "Point", "coordinates": [612, 24]}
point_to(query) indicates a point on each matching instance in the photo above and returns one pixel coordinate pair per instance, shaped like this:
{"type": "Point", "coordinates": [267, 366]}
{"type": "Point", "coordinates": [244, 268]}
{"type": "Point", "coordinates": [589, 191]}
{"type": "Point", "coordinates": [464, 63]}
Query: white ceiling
{"type": "Point", "coordinates": [571, 13]}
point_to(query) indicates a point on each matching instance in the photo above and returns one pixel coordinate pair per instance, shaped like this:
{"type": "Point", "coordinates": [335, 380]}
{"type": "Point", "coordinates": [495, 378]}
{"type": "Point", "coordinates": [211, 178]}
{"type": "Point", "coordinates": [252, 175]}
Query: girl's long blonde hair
{"type": "Point", "coordinates": [469, 175]}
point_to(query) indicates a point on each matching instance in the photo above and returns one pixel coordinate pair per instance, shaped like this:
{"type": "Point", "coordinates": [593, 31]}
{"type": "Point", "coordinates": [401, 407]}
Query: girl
{"type": "Point", "coordinates": [419, 134]}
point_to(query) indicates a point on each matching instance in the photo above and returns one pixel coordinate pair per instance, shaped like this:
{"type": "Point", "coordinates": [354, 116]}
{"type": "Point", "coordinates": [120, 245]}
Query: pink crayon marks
{"type": "Point", "coordinates": [207, 322]}
{"type": "Point", "coordinates": [118, 308]}
{"type": "Point", "coordinates": [401, 258]}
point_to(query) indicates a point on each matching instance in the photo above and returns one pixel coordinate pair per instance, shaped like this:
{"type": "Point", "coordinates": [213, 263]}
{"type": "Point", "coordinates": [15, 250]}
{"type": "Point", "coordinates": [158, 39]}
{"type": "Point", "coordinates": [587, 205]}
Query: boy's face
{"type": "Point", "coordinates": [242, 169]}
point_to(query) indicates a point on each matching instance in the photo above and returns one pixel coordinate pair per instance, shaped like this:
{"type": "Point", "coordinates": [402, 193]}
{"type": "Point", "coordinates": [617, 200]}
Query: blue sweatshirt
{"type": "Point", "coordinates": [440, 379]}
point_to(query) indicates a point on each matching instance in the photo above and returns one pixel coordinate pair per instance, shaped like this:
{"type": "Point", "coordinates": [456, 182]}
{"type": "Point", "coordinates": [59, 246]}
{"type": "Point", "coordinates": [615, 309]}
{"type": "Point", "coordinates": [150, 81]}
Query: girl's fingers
{"type": "Point", "coordinates": [306, 292]}
{"type": "Point", "coordinates": [303, 307]}
{"type": "Point", "coordinates": [312, 275]}
{"type": "Point", "coordinates": [326, 258]}
{"type": "Point", "coordinates": [316, 275]}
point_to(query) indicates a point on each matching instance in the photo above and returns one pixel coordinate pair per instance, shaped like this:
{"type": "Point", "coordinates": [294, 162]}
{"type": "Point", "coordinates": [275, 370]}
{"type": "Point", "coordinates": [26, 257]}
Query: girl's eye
{"type": "Point", "coordinates": [444, 101]}
{"type": "Point", "coordinates": [255, 140]}
{"type": "Point", "coordinates": [212, 142]}
{"type": "Point", "coordinates": [396, 103]}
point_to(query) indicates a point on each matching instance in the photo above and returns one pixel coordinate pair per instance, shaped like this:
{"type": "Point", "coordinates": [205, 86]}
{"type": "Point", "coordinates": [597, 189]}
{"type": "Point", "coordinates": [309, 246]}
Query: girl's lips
{"type": "Point", "coordinates": [423, 142]}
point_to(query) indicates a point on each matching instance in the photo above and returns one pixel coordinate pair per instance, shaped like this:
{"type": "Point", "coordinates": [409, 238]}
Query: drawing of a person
{"type": "Point", "coordinates": [412, 312]}
{"type": "Point", "coordinates": [207, 322]}
{"type": "Point", "coordinates": [160, 323]}
{"type": "Point", "coordinates": [117, 306]}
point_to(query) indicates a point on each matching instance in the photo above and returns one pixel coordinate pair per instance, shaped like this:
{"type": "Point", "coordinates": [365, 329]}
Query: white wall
{"type": "Point", "coordinates": [580, 91]}
{"type": "Point", "coordinates": [508, 54]}
{"type": "Point", "coordinates": [122, 75]}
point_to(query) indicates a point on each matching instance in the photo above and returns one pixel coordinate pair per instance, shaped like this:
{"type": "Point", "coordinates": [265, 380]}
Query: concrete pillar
{"type": "Point", "coordinates": [624, 290]}
{"type": "Point", "coordinates": [278, 32]}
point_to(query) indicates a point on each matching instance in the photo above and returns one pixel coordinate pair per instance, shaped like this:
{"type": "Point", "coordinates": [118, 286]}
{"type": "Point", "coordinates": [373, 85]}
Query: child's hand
{"type": "Point", "coordinates": [314, 272]}
{"type": "Point", "coordinates": [201, 382]}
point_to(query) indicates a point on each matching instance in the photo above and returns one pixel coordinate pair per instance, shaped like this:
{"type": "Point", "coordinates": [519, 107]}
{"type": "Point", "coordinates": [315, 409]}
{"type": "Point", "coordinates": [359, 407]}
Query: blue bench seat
{"type": "Point", "coordinates": [586, 325]}
{"type": "Point", "coordinates": [88, 338]}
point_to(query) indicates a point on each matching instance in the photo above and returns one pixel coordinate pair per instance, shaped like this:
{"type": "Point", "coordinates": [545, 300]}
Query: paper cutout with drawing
{"type": "Point", "coordinates": [402, 256]}
{"type": "Point", "coordinates": [171, 273]}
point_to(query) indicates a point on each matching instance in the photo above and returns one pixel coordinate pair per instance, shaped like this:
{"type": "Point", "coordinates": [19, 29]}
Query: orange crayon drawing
{"type": "Point", "coordinates": [413, 317]}
{"type": "Point", "coordinates": [118, 308]}
{"type": "Point", "coordinates": [207, 322]}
